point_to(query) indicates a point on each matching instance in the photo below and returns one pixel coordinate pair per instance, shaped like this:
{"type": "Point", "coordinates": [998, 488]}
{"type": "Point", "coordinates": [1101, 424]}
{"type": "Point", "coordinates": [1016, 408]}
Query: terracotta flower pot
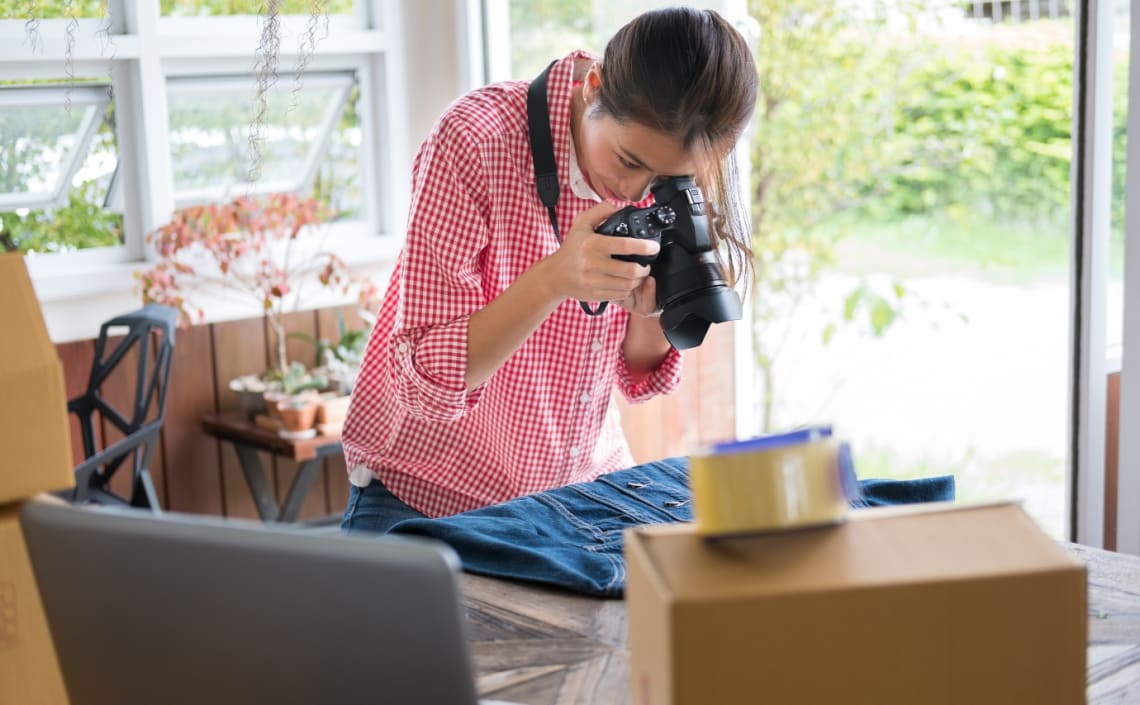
{"type": "Point", "coordinates": [297, 415]}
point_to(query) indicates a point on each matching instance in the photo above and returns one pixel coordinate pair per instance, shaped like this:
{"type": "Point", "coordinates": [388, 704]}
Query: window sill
{"type": "Point", "coordinates": [74, 305]}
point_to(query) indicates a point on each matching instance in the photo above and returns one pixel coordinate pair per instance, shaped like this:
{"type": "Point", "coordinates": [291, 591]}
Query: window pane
{"type": "Point", "coordinates": [911, 181]}
{"type": "Point", "coordinates": [1120, 66]}
{"type": "Point", "coordinates": [57, 163]}
{"type": "Point", "coordinates": [311, 140]}
{"type": "Point", "coordinates": [543, 31]}
{"type": "Point", "coordinates": [189, 8]}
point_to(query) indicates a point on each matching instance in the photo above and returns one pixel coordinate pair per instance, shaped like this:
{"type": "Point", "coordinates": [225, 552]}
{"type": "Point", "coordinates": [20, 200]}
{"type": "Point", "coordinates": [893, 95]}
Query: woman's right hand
{"type": "Point", "coordinates": [583, 267]}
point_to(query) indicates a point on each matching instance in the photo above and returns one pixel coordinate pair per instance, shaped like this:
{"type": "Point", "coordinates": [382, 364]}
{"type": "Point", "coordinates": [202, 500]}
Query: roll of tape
{"type": "Point", "coordinates": [782, 486]}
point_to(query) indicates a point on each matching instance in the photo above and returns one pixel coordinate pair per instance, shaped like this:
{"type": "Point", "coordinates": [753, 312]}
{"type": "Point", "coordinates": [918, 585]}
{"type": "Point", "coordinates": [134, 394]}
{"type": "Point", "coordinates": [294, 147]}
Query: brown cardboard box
{"type": "Point", "coordinates": [939, 605]}
{"type": "Point", "coordinates": [35, 456]}
{"type": "Point", "coordinates": [29, 672]}
{"type": "Point", "coordinates": [35, 440]}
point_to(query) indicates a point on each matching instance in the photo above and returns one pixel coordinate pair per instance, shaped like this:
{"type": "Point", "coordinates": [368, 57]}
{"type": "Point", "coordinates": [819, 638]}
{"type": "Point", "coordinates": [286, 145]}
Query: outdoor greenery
{"type": "Point", "coordinates": [947, 147]}
{"type": "Point", "coordinates": [55, 9]}
{"type": "Point", "coordinates": [31, 142]}
{"type": "Point", "coordinates": [51, 9]}
{"type": "Point", "coordinates": [85, 220]}
{"type": "Point", "coordinates": [252, 7]}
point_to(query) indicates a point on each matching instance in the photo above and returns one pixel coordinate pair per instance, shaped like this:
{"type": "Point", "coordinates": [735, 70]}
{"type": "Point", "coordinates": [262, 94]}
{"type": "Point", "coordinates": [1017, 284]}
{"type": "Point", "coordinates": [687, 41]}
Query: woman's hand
{"type": "Point", "coordinates": [642, 301]}
{"type": "Point", "coordinates": [585, 269]}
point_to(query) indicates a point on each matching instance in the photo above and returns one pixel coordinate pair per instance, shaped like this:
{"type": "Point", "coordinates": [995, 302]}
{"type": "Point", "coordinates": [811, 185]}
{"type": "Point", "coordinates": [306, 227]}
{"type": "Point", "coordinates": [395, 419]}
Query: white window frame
{"type": "Point", "coordinates": [1128, 467]}
{"type": "Point", "coordinates": [1091, 206]}
{"type": "Point", "coordinates": [93, 101]}
{"type": "Point", "coordinates": [143, 50]}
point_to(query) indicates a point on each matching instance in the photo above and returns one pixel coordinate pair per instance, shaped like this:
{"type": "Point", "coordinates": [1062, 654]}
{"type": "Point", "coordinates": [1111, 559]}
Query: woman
{"type": "Point", "coordinates": [484, 379]}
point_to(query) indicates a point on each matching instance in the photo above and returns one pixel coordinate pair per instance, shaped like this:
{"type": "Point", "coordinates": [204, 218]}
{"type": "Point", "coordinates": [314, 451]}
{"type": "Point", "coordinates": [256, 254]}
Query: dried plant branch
{"type": "Point", "coordinates": [265, 72]}
{"type": "Point", "coordinates": [69, 50]}
{"type": "Point", "coordinates": [32, 34]}
{"type": "Point", "coordinates": [316, 29]}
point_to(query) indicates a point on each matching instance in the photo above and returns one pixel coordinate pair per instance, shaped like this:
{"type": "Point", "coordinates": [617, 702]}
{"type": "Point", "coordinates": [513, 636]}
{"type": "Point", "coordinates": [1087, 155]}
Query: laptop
{"type": "Point", "coordinates": [181, 609]}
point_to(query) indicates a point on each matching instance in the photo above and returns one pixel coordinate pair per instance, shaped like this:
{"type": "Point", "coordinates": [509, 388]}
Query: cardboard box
{"type": "Point", "coordinates": [35, 443]}
{"type": "Point", "coordinates": [35, 439]}
{"type": "Point", "coordinates": [29, 671]}
{"type": "Point", "coordinates": [934, 605]}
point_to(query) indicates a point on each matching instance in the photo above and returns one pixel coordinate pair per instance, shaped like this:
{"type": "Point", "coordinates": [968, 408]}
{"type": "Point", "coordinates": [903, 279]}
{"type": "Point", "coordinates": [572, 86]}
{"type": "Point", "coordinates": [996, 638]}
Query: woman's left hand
{"type": "Point", "coordinates": [642, 301]}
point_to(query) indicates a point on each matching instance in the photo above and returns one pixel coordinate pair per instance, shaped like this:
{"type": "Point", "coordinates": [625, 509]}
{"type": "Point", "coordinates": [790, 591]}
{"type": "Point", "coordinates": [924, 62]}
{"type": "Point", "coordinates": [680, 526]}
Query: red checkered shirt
{"type": "Point", "coordinates": [545, 418]}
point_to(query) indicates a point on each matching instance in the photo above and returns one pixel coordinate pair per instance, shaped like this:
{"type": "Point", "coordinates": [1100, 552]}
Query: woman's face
{"type": "Point", "coordinates": [621, 161]}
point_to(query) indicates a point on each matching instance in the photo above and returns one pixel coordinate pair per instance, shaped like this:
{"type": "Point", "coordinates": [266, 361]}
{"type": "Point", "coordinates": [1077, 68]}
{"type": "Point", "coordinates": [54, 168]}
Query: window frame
{"type": "Point", "coordinates": [142, 50]}
{"type": "Point", "coordinates": [94, 100]}
{"type": "Point", "coordinates": [341, 81]}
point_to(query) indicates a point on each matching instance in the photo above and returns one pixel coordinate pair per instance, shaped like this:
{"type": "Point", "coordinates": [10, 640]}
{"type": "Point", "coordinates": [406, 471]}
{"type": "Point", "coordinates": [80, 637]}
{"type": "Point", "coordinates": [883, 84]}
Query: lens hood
{"type": "Point", "coordinates": [686, 320]}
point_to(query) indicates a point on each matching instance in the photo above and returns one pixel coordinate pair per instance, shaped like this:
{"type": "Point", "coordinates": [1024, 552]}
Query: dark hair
{"type": "Point", "coordinates": [690, 74]}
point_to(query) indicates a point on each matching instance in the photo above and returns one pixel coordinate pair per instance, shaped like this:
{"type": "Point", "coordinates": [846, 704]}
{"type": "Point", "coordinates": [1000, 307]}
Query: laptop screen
{"type": "Point", "coordinates": [180, 609]}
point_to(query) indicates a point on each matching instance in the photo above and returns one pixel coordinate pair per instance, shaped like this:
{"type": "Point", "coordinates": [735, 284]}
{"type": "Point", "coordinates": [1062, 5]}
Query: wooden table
{"type": "Point", "coordinates": [547, 647]}
{"type": "Point", "coordinates": [248, 439]}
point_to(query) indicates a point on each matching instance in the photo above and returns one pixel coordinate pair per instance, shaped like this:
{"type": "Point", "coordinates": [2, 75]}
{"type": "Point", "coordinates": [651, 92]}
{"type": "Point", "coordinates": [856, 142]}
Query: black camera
{"type": "Point", "coordinates": [692, 291]}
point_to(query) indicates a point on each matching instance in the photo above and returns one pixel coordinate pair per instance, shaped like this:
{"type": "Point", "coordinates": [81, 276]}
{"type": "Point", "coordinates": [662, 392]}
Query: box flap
{"type": "Point", "coordinates": [879, 547]}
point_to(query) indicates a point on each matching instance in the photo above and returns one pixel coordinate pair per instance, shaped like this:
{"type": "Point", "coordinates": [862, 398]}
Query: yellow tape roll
{"type": "Point", "coordinates": [776, 488]}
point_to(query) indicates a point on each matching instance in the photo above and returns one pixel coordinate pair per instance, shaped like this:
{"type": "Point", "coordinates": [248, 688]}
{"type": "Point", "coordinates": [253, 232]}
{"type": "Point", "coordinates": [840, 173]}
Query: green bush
{"type": "Point", "coordinates": [988, 130]}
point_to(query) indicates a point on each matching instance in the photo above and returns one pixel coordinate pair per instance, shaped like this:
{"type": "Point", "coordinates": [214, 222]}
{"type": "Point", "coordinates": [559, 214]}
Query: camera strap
{"type": "Point", "coordinates": [542, 155]}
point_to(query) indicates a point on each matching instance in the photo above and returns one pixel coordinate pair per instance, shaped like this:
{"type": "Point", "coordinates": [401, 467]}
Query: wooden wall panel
{"type": "Point", "coordinates": [193, 471]}
{"type": "Point", "coordinates": [239, 349]}
{"type": "Point", "coordinates": [76, 359]}
{"type": "Point", "coordinates": [1111, 459]}
{"type": "Point", "coordinates": [335, 475]}
{"type": "Point", "coordinates": [305, 323]}
{"type": "Point", "coordinates": [203, 476]}
{"type": "Point", "coordinates": [700, 411]}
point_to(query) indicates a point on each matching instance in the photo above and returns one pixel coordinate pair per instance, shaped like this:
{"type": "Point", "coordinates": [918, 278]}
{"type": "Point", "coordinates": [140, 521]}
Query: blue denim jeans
{"type": "Point", "coordinates": [374, 509]}
{"type": "Point", "coordinates": [571, 536]}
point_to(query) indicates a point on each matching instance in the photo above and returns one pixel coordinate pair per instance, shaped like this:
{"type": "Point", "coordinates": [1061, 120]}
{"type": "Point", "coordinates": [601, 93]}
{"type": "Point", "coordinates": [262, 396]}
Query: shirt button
{"type": "Point", "coordinates": [584, 398]}
{"type": "Point", "coordinates": [596, 346]}
{"type": "Point", "coordinates": [574, 452]}
{"type": "Point", "coordinates": [402, 347]}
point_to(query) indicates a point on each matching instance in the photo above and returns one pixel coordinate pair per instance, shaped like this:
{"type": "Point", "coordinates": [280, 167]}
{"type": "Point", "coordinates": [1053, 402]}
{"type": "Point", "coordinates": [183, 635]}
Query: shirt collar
{"type": "Point", "coordinates": [578, 183]}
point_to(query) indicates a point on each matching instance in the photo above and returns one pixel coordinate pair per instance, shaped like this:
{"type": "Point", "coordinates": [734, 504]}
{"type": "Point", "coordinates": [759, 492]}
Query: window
{"type": "Point", "coordinates": [211, 159]}
{"type": "Point", "coordinates": [133, 109]}
{"type": "Point", "coordinates": [912, 195]}
{"type": "Point", "coordinates": [57, 164]}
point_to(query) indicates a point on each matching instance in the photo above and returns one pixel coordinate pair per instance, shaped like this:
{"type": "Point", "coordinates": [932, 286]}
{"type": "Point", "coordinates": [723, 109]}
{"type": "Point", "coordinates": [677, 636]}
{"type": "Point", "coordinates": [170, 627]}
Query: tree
{"type": "Point", "coordinates": [825, 109]}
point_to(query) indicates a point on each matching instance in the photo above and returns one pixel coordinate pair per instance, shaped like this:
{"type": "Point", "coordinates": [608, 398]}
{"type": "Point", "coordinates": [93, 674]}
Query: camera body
{"type": "Point", "coordinates": [692, 291]}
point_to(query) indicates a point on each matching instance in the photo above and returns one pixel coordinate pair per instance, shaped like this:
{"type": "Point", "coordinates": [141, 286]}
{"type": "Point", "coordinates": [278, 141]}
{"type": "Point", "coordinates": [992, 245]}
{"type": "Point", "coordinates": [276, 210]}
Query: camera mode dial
{"type": "Point", "coordinates": [665, 216]}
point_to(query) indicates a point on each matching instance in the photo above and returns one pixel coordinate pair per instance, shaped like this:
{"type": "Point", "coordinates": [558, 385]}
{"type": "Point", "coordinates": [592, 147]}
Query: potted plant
{"type": "Point", "coordinates": [266, 251]}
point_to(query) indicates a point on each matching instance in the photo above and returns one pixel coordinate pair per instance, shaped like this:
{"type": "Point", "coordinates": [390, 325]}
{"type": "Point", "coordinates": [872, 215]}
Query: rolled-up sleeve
{"type": "Point", "coordinates": [440, 274]}
{"type": "Point", "coordinates": [665, 378]}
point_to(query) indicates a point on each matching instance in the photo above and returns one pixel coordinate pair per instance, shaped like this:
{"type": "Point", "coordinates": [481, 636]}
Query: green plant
{"type": "Point", "coordinates": [296, 378]}
{"type": "Point", "coordinates": [824, 112]}
{"type": "Point", "coordinates": [341, 358]}
{"type": "Point", "coordinates": [80, 224]}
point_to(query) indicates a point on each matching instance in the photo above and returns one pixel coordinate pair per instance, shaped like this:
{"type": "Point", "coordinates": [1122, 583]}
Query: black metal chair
{"type": "Point", "coordinates": [149, 329]}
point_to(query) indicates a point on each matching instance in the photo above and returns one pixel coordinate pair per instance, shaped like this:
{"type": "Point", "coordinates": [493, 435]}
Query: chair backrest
{"type": "Point", "coordinates": [147, 341]}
